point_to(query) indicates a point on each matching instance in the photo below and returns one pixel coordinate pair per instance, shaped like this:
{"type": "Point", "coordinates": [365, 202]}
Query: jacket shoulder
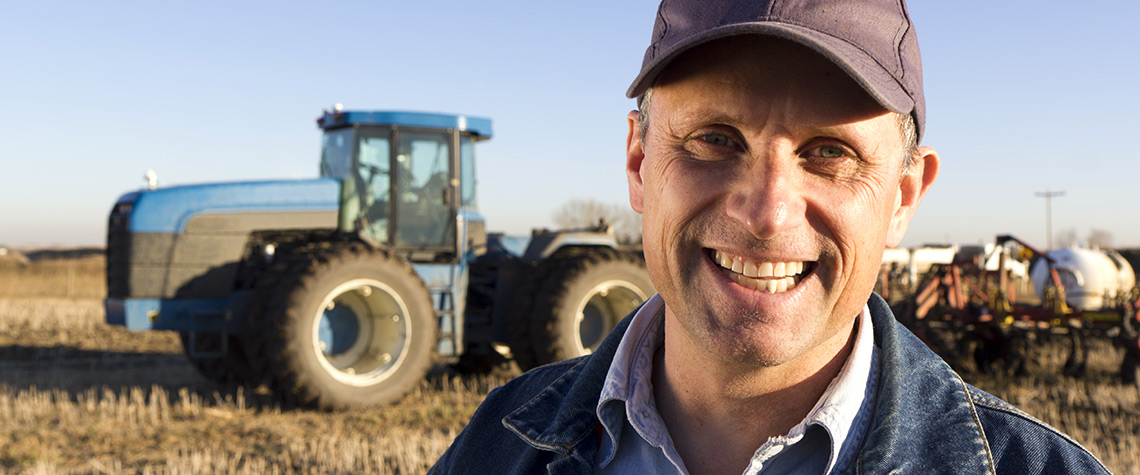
{"type": "Point", "coordinates": [481, 446]}
{"type": "Point", "coordinates": [1020, 443]}
{"type": "Point", "coordinates": [541, 420]}
{"type": "Point", "coordinates": [928, 419]}
{"type": "Point", "coordinates": [522, 389]}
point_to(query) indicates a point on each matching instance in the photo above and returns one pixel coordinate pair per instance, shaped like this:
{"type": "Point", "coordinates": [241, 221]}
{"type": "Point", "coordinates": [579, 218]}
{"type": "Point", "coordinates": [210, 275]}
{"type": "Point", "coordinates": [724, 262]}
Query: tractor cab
{"type": "Point", "coordinates": [406, 177]}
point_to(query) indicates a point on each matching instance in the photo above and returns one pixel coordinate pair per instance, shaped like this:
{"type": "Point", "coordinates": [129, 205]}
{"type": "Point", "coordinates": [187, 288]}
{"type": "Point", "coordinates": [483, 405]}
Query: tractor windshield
{"type": "Point", "coordinates": [336, 153]}
{"type": "Point", "coordinates": [365, 181]}
{"type": "Point", "coordinates": [372, 182]}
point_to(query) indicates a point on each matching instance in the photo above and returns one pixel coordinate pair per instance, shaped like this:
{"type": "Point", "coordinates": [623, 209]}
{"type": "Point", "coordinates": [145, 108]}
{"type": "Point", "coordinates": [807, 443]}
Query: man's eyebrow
{"type": "Point", "coordinates": [834, 130]}
{"type": "Point", "coordinates": [706, 115]}
{"type": "Point", "coordinates": [862, 127]}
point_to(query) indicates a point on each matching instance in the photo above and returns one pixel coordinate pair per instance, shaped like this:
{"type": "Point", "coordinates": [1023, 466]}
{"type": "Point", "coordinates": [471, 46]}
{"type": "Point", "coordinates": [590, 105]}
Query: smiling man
{"type": "Point", "coordinates": [768, 195]}
{"type": "Point", "coordinates": [773, 157]}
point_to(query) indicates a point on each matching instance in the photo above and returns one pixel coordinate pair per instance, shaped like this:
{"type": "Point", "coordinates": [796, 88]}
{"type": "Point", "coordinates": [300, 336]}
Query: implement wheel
{"type": "Point", "coordinates": [1129, 339]}
{"type": "Point", "coordinates": [580, 298]}
{"type": "Point", "coordinates": [352, 327]}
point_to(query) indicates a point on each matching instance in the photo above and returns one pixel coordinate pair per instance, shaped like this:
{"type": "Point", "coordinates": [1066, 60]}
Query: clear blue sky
{"type": "Point", "coordinates": [1021, 97]}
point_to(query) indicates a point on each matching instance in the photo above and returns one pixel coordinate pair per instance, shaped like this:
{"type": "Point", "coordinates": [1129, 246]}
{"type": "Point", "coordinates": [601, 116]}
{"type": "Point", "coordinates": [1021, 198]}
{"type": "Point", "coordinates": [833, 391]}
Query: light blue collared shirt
{"type": "Point", "coordinates": [637, 441]}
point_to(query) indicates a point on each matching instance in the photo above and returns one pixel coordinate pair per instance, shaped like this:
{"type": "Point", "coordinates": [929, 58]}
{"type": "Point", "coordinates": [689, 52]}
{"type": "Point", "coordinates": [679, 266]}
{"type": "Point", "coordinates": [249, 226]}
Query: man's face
{"type": "Point", "coordinates": [764, 159]}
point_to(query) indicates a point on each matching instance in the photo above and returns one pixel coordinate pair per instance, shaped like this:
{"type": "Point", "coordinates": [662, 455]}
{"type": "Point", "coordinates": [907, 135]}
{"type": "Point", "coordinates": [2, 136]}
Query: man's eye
{"type": "Point", "coordinates": [716, 139]}
{"type": "Point", "coordinates": [827, 151]}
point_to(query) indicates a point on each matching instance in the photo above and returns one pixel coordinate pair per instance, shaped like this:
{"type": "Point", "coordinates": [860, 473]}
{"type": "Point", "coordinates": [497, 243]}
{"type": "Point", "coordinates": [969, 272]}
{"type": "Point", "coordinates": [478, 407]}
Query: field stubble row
{"type": "Point", "coordinates": [80, 396]}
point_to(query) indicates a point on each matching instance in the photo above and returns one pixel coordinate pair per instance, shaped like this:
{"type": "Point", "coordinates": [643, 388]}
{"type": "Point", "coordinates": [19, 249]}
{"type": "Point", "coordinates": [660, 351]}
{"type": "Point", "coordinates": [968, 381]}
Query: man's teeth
{"type": "Point", "coordinates": [761, 269]}
{"type": "Point", "coordinates": [772, 277]}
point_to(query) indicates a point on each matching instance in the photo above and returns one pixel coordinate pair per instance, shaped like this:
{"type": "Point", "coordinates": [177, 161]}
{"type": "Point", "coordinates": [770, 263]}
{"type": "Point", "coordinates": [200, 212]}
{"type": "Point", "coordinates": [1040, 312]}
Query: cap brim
{"type": "Point", "coordinates": [867, 72]}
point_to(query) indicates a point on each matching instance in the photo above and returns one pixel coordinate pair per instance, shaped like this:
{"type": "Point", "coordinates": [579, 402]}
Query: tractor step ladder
{"type": "Point", "coordinates": [448, 325]}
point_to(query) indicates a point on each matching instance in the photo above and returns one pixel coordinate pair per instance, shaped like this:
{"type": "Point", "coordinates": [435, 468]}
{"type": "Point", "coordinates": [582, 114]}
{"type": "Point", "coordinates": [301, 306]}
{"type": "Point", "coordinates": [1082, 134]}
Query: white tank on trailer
{"type": "Point", "coordinates": [1127, 273]}
{"type": "Point", "coordinates": [1090, 276]}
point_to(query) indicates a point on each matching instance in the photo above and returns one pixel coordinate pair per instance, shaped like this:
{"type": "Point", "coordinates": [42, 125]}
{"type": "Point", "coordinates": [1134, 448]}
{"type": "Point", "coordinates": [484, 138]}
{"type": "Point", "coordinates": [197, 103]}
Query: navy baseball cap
{"type": "Point", "coordinates": [872, 40]}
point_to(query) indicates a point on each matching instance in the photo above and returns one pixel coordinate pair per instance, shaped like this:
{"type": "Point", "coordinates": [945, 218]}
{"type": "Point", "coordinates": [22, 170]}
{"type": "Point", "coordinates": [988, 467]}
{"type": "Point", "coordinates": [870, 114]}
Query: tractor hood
{"type": "Point", "coordinates": [188, 241]}
{"type": "Point", "coordinates": [167, 210]}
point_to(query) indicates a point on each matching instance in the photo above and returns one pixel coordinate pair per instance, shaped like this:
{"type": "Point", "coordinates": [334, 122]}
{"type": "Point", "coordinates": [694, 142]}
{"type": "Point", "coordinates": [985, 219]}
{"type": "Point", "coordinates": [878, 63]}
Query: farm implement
{"type": "Point", "coordinates": [967, 310]}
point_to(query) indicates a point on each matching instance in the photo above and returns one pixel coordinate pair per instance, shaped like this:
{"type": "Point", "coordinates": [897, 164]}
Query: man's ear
{"type": "Point", "coordinates": [912, 188]}
{"type": "Point", "coordinates": [634, 157]}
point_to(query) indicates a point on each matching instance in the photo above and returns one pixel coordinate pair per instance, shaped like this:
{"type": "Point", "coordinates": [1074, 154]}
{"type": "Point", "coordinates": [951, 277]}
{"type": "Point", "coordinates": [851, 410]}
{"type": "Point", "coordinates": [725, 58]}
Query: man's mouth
{"type": "Point", "coordinates": [771, 277]}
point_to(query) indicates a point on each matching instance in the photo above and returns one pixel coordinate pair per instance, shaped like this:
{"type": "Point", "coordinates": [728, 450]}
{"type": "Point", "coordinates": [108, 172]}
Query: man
{"type": "Point", "coordinates": [773, 158]}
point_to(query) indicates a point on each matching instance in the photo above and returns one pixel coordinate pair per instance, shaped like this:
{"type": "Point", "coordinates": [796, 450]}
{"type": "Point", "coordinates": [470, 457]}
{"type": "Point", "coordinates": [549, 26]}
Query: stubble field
{"type": "Point", "coordinates": [79, 396]}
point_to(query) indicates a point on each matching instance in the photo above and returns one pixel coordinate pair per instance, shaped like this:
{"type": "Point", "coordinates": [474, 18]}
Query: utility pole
{"type": "Point", "coordinates": [1049, 195]}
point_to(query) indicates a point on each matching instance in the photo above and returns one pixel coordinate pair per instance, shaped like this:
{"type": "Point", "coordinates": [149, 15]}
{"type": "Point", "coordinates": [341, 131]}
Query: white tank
{"type": "Point", "coordinates": [1091, 276]}
{"type": "Point", "coordinates": [1127, 274]}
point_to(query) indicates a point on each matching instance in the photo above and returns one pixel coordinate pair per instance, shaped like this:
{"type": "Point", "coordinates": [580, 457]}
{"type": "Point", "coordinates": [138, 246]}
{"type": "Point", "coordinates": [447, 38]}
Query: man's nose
{"type": "Point", "coordinates": [767, 199]}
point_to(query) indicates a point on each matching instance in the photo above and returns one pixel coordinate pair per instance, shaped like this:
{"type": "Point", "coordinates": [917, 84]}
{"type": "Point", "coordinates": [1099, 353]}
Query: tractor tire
{"type": "Point", "coordinates": [580, 297]}
{"type": "Point", "coordinates": [230, 368]}
{"type": "Point", "coordinates": [492, 364]}
{"type": "Point", "coordinates": [351, 326]}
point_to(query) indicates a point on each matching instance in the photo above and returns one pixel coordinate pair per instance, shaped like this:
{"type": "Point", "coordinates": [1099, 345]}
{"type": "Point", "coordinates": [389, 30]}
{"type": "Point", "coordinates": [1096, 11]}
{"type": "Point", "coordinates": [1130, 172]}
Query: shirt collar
{"type": "Point", "coordinates": [627, 393]}
{"type": "Point", "coordinates": [841, 402]}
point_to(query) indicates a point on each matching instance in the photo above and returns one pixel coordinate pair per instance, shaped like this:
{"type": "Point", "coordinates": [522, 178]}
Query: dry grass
{"type": "Point", "coordinates": [1095, 410]}
{"type": "Point", "coordinates": [80, 396]}
{"type": "Point", "coordinates": [64, 278]}
{"type": "Point", "coordinates": [153, 430]}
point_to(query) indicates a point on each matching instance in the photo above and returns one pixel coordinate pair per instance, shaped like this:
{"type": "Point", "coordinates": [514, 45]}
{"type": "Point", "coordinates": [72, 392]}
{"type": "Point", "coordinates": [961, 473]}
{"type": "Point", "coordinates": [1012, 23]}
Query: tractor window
{"type": "Point", "coordinates": [374, 182]}
{"type": "Point", "coordinates": [423, 162]}
{"type": "Point", "coordinates": [336, 153]}
{"type": "Point", "coordinates": [466, 172]}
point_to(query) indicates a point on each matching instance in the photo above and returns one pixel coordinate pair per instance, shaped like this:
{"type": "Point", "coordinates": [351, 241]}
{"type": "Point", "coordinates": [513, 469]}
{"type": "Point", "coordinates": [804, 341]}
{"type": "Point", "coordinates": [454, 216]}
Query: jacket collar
{"type": "Point", "coordinates": [562, 417]}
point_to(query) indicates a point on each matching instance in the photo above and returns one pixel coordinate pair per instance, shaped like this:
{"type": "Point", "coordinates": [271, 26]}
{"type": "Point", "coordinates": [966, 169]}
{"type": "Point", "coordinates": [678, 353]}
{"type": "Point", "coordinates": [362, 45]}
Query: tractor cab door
{"type": "Point", "coordinates": [425, 208]}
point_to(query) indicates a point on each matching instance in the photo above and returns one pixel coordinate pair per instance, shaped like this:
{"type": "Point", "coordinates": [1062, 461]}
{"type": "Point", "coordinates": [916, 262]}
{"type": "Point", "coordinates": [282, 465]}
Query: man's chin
{"type": "Point", "coordinates": [758, 352]}
{"type": "Point", "coordinates": [739, 334]}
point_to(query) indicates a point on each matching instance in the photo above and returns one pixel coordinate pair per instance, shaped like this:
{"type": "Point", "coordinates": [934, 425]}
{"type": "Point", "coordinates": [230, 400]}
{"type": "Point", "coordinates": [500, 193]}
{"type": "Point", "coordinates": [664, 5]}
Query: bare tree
{"type": "Point", "coordinates": [580, 214]}
{"type": "Point", "coordinates": [588, 213]}
{"type": "Point", "coordinates": [1100, 238]}
{"type": "Point", "coordinates": [1066, 237]}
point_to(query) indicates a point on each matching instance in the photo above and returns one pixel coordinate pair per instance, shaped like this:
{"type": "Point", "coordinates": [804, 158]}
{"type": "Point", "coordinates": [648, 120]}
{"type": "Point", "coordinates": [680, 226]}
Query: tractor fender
{"type": "Point", "coordinates": [545, 243]}
{"type": "Point", "coordinates": [519, 259]}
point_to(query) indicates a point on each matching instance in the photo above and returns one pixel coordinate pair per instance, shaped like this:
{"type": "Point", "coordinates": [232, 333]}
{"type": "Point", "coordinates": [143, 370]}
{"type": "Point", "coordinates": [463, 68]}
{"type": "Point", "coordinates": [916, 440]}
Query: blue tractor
{"type": "Point", "coordinates": [343, 290]}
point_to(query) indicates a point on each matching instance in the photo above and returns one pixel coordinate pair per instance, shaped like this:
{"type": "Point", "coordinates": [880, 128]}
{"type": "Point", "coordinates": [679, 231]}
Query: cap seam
{"type": "Point", "coordinates": [664, 29]}
{"type": "Point", "coordinates": [900, 34]}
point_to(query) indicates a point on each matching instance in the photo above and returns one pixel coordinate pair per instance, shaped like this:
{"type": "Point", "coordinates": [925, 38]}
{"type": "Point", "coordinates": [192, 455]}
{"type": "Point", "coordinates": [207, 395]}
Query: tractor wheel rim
{"type": "Point", "coordinates": [361, 332]}
{"type": "Point", "coordinates": [600, 309]}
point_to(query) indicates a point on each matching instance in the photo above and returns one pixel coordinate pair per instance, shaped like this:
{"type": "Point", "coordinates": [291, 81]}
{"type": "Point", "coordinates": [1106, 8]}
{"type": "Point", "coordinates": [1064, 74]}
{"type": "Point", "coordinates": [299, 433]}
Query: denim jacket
{"type": "Point", "coordinates": [927, 420]}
